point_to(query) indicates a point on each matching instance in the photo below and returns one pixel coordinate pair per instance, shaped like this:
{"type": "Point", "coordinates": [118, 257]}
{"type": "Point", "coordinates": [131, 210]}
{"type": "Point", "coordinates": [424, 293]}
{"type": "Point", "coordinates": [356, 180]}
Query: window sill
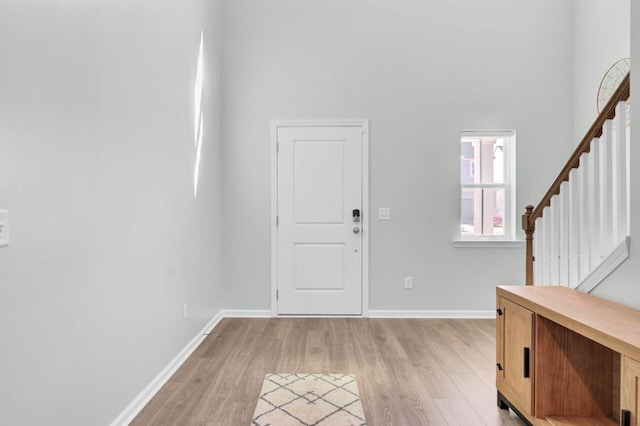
{"type": "Point", "coordinates": [489, 243]}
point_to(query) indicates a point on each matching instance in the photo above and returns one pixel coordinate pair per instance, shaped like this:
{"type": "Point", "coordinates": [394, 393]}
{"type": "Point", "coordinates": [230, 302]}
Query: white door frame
{"type": "Point", "coordinates": [275, 124]}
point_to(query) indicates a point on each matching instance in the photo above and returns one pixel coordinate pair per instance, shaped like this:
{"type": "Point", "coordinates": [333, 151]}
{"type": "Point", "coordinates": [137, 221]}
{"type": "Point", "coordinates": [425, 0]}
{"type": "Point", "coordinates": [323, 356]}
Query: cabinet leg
{"type": "Point", "coordinates": [501, 402]}
{"type": "Point", "coordinates": [504, 404]}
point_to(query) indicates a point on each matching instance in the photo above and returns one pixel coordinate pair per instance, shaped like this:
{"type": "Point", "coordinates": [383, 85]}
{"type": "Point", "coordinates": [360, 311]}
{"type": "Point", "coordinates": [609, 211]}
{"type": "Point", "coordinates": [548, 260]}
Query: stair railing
{"type": "Point", "coordinates": [586, 206]}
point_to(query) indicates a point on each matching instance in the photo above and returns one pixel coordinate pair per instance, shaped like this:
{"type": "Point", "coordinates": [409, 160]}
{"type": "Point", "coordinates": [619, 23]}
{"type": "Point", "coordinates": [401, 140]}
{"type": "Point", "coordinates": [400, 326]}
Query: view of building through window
{"type": "Point", "coordinates": [484, 179]}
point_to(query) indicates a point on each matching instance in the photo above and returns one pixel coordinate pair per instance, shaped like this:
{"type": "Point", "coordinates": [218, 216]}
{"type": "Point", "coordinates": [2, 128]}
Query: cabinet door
{"type": "Point", "coordinates": [516, 358]}
{"type": "Point", "coordinates": [630, 392]}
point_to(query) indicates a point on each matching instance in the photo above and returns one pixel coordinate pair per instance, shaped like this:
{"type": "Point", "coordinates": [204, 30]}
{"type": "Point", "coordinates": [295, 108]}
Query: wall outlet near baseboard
{"type": "Point", "coordinates": [185, 310]}
{"type": "Point", "coordinates": [408, 282]}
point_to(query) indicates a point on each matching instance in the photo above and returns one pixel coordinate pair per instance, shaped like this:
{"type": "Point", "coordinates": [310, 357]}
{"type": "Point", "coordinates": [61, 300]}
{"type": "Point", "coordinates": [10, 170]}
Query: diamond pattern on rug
{"type": "Point", "coordinates": [309, 400]}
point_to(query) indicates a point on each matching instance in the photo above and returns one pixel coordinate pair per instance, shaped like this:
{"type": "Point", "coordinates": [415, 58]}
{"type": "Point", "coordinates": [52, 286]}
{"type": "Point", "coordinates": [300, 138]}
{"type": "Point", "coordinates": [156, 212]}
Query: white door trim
{"type": "Point", "coordinates": [275, 124]}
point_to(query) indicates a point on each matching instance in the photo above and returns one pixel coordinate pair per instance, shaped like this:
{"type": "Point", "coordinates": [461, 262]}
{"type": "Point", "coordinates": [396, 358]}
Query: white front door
{"type": "Point", "coordinates": [320, 217]}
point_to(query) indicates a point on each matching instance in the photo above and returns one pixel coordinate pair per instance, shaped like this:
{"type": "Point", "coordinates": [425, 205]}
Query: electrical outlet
{"type": "Point", "coordinates": [408, 282]}
{"type": "Point", "coordinates": [185, 310]}
{"type": "Point", "coordinates": [4, 228]}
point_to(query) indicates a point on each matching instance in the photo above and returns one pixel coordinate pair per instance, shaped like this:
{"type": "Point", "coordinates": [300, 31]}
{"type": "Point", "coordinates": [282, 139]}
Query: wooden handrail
{"type": "Point", "coordinates": [622, 93]}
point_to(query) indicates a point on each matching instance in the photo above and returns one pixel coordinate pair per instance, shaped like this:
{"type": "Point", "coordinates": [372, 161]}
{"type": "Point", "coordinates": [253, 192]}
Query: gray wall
{"type": "Point", "coordinates": [622, 285]}
{"type": "Point", "coordinates": [601, 34]}
{"type": "Point", "coordinates": [96, 164]}
{"type": "Point", "coordinates": [421, 71]}
{"type": "Point", "coordinates": [96, 131]}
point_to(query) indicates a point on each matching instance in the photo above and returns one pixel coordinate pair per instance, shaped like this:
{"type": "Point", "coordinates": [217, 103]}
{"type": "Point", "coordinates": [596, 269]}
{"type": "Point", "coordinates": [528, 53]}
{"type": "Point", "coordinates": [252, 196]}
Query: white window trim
{"type": "Point", "coordinates": [510, 238]}
{"type": "Point", "coordinates": [488, 243]}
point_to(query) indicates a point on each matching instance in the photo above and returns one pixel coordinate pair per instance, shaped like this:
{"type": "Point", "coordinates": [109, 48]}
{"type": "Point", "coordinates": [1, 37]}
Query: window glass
{"type": "Point", "coordinates": [485, 202]}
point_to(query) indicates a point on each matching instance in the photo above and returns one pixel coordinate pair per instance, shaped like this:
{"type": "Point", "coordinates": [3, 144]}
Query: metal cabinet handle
{"type": "Point", "coordinates": [526, 362]}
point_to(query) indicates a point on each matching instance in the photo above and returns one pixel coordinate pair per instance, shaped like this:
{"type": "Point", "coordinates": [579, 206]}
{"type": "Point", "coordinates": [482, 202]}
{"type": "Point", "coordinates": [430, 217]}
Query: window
{"type": "Point", "coordinates": [487, 183]}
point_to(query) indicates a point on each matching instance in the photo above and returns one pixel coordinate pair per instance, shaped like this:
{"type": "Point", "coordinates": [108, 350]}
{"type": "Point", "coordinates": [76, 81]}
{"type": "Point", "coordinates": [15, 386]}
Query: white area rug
{"type": "Point", "coordinates": [309, 399]}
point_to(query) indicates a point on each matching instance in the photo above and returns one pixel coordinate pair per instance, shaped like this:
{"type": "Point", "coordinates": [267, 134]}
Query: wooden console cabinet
{"type": "Point", "coordinates": [567, 358]}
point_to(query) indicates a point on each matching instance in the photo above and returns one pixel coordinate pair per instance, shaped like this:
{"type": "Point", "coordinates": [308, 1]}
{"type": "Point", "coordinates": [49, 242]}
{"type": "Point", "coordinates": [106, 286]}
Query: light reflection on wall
{"type": "Point", "coordinates": [199, 115]}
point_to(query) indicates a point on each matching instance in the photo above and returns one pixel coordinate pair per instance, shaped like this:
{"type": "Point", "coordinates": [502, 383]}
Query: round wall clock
{"type": "Point", "coordinates": [610, 82]}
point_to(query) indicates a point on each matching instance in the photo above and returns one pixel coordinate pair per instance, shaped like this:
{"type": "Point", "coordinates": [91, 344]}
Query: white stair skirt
{"type": "Point", "coordinates": [614, 259]}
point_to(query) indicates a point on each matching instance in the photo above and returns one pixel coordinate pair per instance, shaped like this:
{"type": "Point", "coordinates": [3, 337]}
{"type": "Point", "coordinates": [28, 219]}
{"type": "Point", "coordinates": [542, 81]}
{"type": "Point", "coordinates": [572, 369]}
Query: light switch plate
{"type": "Point", "coordinates": [4, 228]}
{"type": "Point", "coordinates": [384, 213]}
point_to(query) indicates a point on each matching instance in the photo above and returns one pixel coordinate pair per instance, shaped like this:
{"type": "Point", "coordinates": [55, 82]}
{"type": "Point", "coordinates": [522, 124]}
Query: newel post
{"type": "Point", "coordinates": [529, 227]}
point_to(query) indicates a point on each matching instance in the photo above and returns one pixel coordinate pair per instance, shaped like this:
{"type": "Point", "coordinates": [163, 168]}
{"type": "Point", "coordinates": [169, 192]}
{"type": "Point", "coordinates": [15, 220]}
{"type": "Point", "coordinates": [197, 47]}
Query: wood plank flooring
{"type": "Point", "coordinates": [410, 371]}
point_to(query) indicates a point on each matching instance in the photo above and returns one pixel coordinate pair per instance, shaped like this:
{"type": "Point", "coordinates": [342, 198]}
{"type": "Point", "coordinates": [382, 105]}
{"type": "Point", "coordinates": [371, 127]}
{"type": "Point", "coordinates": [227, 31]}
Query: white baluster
{"type": "Point", "coordinates": [584, 219]}
{"type": "Point", "coordinates": [563, 234]}
{"type": "Point", "coordinates": [620, 200]}
{"type": "Point", "coordinates": [546, 247]}
{"type": "Point", "coordinates": [593, 212]}
{"type": "Point", "coordinates": [574, 227]}
{"type": "Point", "coordinates": [538, 237]}
{"type": "Point", "coordinates": [554, 224]}
{"type": "Point", "coordinates": [605, 183]}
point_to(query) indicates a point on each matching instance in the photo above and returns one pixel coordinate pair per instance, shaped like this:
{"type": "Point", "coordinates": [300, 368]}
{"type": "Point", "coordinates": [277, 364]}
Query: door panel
{"type": "Point", "coordinates": [517, 338]}
{"type": "Point", "coordinates": [319, 267]}
{"type": "Point", "coordinates": [316, 200]}
{"type": "Point", "coordinates": [630, 396]}
{"type": "Point", "coordinates": [319, 254]}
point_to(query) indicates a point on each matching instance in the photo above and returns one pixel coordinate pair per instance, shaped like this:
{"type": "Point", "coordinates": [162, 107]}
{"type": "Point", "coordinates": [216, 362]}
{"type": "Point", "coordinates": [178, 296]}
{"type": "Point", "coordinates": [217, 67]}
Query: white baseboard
{"type": "Point", "coordinates": [244, 313]}
{"type": "Point", "coordinates": [431, 314]}
{"type": "Point", "coordinates": [618, 255]}
{"type": "Point", "coordinates": [152, 388]}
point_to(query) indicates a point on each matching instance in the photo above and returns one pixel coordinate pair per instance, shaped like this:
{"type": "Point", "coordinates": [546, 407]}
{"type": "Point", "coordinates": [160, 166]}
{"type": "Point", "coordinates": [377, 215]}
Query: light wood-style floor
{"type": "Point", "coordinates": [410, 372]}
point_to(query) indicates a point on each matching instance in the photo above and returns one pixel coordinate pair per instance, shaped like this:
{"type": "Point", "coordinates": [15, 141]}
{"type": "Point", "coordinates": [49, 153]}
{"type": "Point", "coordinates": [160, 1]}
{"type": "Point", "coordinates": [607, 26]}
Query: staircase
{"type": "Point", "coordinates": [579, 232]}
